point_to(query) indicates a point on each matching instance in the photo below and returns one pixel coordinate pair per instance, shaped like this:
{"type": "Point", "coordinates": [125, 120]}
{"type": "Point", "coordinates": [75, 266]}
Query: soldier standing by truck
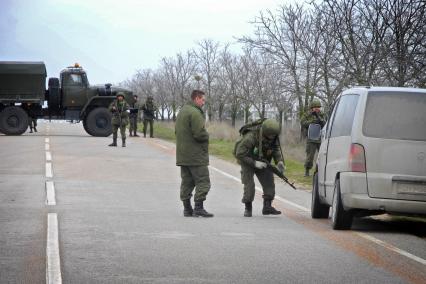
{"type": "Point", "coordinates": [256, 148]}
{"type": "Point", "coordinates": [120, 118]}
{"type": "Point", "coordinates": [312, 123]}
{"type": "Point", "coordinates": [32, 116]}
{"type": "Point", "coordinates": [148, 116]}
{"type": "Point", "coordinates": [133, 116]}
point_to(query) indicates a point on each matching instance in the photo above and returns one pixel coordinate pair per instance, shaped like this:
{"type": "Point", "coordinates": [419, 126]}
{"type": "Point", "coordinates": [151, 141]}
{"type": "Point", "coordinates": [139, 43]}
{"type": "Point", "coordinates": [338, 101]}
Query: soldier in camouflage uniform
{"type": "Point", "coordinates": [133, 117]}
{"type": "Point", "coordinates": [120, 118]}
{"type": "Point", "coordinates": [314, 116]}
{"type": "Point", "coordinates": [257, 144]}
{"type": "Point", "coordinates": [32, 116]}
{"type": "Point", "coordinates": [192, 155]}
{"type": "Point", "coordinates": [148, 116]}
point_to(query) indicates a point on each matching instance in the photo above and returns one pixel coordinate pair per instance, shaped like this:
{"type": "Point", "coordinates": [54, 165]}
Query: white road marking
{"type": "Point", "coordinates": [49, 172]}
{"type": "Point", "coordinates": [365, 236]}
{"type": "Point", "coordinates": [50, 193]}
{"type": "Point", "coordinates": [164, 147]}
{"type": "Point", "coordinates": [48, 156]}
{"type": "Point", "coordinates": [392, 248]}
{"type": "Point", "coordinates": [53, 262]}
{"type": "Point", "coordinates": [46, 140]}
{"type": "Point", "coordinates": [46, 147]}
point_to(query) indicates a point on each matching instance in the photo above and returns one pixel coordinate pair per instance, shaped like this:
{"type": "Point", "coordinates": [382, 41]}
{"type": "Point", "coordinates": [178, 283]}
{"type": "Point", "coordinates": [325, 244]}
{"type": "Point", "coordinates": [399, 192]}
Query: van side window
{"type": "Point", "coordinates": [344, 116]}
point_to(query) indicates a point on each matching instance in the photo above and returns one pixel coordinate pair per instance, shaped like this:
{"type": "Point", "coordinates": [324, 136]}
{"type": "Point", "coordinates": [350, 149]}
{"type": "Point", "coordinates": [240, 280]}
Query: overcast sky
{"type": "Point", "coordinates": [112, 39]}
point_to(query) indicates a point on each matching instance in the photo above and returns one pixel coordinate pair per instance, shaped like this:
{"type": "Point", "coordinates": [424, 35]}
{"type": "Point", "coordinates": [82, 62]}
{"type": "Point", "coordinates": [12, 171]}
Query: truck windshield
{"type": "Point", "coordinates": [395, 115]}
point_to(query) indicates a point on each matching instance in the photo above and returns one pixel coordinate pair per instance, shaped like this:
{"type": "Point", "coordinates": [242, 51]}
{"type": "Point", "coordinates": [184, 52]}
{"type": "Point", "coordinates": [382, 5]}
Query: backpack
{"type": "Point", "coordinates": [252, 126]}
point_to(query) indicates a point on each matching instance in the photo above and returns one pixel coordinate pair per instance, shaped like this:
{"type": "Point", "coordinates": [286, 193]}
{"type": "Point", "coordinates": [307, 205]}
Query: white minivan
{"type": "Point", "coordinates": [373, 155]}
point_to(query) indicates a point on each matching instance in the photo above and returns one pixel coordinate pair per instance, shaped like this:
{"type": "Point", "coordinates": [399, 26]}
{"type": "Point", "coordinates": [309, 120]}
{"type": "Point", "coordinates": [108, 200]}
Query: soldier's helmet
{"type": "Point", "coordinates": [119, 94]}
{"type": "Point", "coordinates": [315, 103]}
{"type": "Point", "coordinates": [270, 127]}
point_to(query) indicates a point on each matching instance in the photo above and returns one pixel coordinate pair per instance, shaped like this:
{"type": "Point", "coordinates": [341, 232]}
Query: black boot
{"type": "Point", "coordinates": [114, 142]}
{"type": "Point", "coordinates": [35, 129]}
{"type": "Point", "coordinates": [123, 142]}
{"type": "Point", "coordinates": [200, 211]}
{"type": "Point", "coordinates": [268, 209]}
{"type": "Point", "coordinates": [306, 172]}
{"type": "Point", "coordinates": [187, 208]}
{"type": "Point", "coordinates": [130, 134]}
{"type": "Point", "coordinates": [248, 210]}
{"type": "Point", "coordinates": [135, 134]}
{"type": "Point", "coordinates": [31, 130]}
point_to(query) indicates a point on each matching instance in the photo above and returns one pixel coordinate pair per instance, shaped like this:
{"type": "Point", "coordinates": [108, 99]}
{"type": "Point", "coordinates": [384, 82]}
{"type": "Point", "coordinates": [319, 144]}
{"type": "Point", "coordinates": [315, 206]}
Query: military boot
{"type": "Point", "coordinates": [268, 209]}
{"type": "Point", "coordinates": [248, 210]}
{"type": "Point", "coordinates": [187, 208]}
{"type": "Point", "coordinates": [130, 134]}
{"type": "Point", "coordinates": [31, 130]}
{"type": "Point", "coordinates": [306, 172]}
{"type": "Point", "coordinates": [135, 134]}
{"type": "Point", "coordinates": [35, 129]}
{"type": "Point", "coordinates": [123, 142]}
{"type": "Point", "coordinates": [114, 142]}
{"type": "Point", "coordinates": [200, 211]}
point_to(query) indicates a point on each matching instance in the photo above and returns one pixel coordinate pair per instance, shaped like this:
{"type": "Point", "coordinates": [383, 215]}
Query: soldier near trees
{"type": "Point", "coordinates": [258, 145]}
{"type": "Point", "coordinates": [120, 118]}
{"type": "Point", "coordinates": [312, 123]}
{"type": "Point", "coordinates": [133, 117]}
{"type": "Point", "coordinates": [192, 155]}
{"type": "Point", "coordinates": [148, 116]}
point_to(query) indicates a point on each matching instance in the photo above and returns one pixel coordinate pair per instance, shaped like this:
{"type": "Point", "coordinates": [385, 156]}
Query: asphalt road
{"type": "Point", "coordinates": [73, 210]}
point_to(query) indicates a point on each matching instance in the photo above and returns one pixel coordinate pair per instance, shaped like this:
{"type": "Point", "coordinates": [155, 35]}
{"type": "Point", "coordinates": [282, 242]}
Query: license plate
{"type": "Point", "coordinates": [411, 188]}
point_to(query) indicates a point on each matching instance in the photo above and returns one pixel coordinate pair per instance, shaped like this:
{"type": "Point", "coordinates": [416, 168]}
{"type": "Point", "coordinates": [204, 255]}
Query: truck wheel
{"type": "Point", "coordinates": [98, 122]}
{"type": "Point", "coordinates": [318, 210]}
{"type": "Point", "coordinates": [54, 93]}
{"type": "Point", "coordinates": [340, 218]}
{"type": "Point", "coordinates": [13, 120]}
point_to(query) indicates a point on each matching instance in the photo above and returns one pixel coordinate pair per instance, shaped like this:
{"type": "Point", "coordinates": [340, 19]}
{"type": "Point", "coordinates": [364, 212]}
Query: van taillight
{"type": "Point", "coordinates": [357, 158]}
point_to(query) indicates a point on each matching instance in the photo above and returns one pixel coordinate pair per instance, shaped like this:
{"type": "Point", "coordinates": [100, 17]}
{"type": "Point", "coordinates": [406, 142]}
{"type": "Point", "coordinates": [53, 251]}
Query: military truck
{"type": "Point", "coordinates": [69, 97]}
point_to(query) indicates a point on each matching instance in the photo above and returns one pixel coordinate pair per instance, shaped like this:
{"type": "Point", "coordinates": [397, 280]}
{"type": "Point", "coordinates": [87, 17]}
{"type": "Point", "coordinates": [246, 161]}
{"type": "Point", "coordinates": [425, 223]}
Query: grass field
{"type": "Point", "coordinates": [221, 144]}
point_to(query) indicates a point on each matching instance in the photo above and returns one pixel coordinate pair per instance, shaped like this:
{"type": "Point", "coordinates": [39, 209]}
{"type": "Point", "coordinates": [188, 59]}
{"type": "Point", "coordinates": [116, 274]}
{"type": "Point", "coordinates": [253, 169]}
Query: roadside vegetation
{"type": "Point", "coordinates": [222, 140]}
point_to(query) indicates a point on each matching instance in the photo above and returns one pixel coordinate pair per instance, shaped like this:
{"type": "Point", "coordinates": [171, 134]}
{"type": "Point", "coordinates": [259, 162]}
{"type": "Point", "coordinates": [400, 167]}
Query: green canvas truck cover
{"type": "Point", "coordinates": [22, 81]}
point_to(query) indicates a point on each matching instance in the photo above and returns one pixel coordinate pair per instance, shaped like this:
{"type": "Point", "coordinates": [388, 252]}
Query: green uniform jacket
{"type": "Point", "coordinates": [192, 138]}
{"type": "Point", "coordinates": [247, 149]}
{"type": "Point", "coordinates": [149, 109]}
{"type": "Point", "coordinates": [137, 106]}
{"type": "Point", "coordinates": [309, 118]}
{"type": "Point", "coordinates": [120, 111]}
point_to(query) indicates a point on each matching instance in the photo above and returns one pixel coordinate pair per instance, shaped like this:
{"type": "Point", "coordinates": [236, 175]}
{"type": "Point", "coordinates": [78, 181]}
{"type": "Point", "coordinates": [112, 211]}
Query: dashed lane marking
{"type": "Point", "coordinates": [48, 156]}
{"type": "Point", "coordinates": [50, 193]}
{"type": "Point", "coordinates": [46, 147]}
{"type": "Point", "coordinates": [49, 172]}
{"type": "Point", "coordinates": [46, 140]}
{"type": "Point", "coordinates": [53, 263]}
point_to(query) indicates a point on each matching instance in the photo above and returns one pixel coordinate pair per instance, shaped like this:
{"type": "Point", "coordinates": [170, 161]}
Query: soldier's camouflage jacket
{"type": "Point", "coordinates": [247, 149]}
{"type": "Point", "coordinates": [120, 114]}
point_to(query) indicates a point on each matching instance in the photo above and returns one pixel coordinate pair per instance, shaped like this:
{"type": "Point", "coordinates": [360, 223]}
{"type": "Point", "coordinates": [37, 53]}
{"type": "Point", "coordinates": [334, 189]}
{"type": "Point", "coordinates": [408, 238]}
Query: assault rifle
{"type": "Point", "coordinates": [278, 173]}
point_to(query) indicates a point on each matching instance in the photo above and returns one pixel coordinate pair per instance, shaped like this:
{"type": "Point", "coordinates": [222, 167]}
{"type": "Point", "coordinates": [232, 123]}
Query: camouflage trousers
{"type": "Point", "coordinates": [151, 127]}
{"type": "Point", "coordinates": [311, 148]}
{"type": "Point", "coordinates": [133, 125]}
{"type": "Point", "coordinates": [194, 176]}
{"type": "Point", "coordinates": [115, 128]}
{"type": "Point", "coordinates": [266, 179]}
{"type": "Point", "coordinates": [32, 122]}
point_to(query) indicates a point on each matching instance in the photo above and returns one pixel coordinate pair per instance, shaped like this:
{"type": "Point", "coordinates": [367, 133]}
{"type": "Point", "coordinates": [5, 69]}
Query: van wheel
{"type": "Point", "coordinates": [98, 122]}
{"type": "Point", "coordinates": [340, 218]}
{"type": "Point", "coordinates": [13, 120]}
{"type": "Point", "coordinates": [318, 210]}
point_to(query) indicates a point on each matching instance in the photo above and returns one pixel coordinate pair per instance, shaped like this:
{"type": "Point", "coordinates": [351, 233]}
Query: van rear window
{"type": "Point", "coordinates": [395, 115]}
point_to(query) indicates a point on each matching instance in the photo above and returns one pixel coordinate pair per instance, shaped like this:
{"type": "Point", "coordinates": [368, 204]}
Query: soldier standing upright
{"type": "Point", "coordinates": [120, 118]}
{"type": "Point", "coordinates": [312, 123]}
{"type": "Point", "coordinates": [148, 116]}
{"type": "Point", "coordinates": [258, 145]}
{"type": "Point", "coordinates": [32, 116]}
{"type": "Point", "coordinates": [192, 155]}
{"type": "Point", "coordinates": [133, 117]}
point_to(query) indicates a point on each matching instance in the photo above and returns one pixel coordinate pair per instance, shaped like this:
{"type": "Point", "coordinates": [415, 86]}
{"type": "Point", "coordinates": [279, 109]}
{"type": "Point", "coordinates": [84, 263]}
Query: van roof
{"type": "Point", "coordinates": [386, 89]}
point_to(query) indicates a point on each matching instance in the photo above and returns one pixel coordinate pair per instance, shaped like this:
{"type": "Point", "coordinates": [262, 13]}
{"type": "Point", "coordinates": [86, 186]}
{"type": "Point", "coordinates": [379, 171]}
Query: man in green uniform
{"type": "Point", "coordinates": [148, 116]}
{"type": "Point", "coordinates": [120, 118]}
{"type": "Point", "coordinates": [32, 116]}
{"type": "Point", "coordinates": [313, 118]}
{"type": "Point", "coordinates": [133, 116]}
{"type": "Point", "coordinates": [192, 155]}
{"type": "Point", "coordinates": [257, 145]}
